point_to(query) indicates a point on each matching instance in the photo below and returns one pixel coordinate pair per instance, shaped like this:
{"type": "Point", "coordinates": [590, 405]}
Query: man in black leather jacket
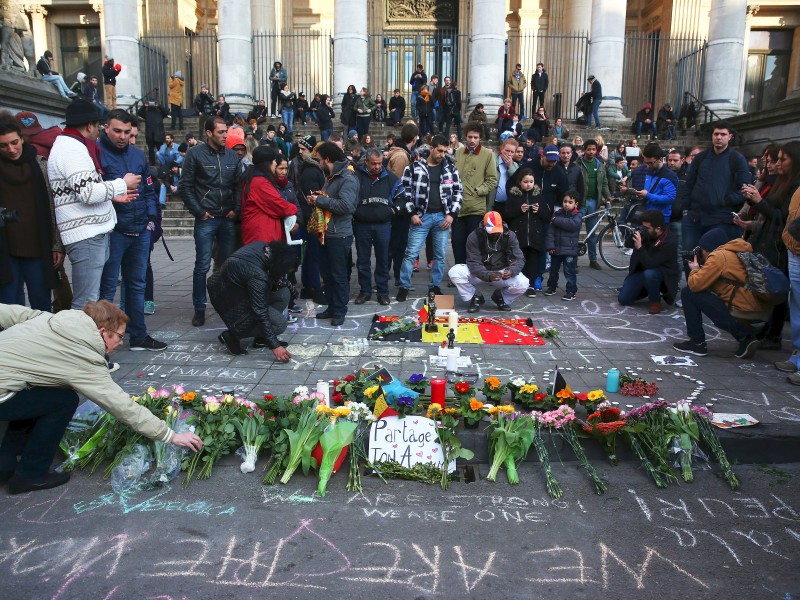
{"type": "Point", "coordinates": [209, 187]}
{"type": "Point", "coordinates": [251, 294]}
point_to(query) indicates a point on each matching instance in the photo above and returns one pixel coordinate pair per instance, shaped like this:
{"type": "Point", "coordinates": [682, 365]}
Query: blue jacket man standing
{"type": "Point", "coordinates": [130, 238]}
{"type": "Point", "coordinates": [660, 183]}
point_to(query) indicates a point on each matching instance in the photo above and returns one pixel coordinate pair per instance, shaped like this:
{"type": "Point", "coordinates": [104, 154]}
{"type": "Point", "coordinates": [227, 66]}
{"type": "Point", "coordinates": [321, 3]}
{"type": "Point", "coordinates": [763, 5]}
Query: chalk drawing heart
{"type": "Point", "coordinates": [435, 449]}
{"type": "Point", "coordinates": [419, 454]}
{"type": "Point", "coordinates": [429, 456]}
{"type": "Point", "coordinates": [394, 445]}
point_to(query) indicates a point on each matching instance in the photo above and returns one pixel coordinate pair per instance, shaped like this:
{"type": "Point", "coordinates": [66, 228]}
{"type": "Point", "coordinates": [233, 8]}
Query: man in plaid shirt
{"type": "Point", "coordinates": [435, 192]}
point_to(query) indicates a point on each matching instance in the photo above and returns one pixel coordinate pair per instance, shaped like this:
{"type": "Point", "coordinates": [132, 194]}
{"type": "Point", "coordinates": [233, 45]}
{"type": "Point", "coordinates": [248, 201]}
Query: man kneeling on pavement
{"type": "Point", "coordinates": [653, 270]}
{"type": "Point", "coordinates": [715, 289]}
{"type": "Point", "coordinates": [493, 257]}
{"type": "Point", "coordinates": [251, 294]}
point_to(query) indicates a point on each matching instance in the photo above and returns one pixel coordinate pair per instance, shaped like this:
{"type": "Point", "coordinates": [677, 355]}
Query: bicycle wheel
{"type": "Point", "coordinates": [611, 244]}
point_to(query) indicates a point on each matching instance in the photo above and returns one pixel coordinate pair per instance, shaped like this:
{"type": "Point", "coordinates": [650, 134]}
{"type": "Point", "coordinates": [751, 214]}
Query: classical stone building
{"type": "Point", "coordinates": [733, 55]}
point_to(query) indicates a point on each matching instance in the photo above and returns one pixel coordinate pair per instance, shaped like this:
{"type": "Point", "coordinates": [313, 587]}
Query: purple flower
{"type": "Point", "coordinates": [416, 378]}
{"type": "Point", "coordinates": [406, 401]}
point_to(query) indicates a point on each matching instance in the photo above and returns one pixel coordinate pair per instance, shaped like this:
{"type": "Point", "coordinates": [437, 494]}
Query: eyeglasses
{"type": "Point", "coordinates": [121, 336]}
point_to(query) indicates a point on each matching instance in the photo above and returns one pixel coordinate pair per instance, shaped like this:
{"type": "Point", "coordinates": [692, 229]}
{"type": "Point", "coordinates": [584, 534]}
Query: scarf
{"type": "Point", "coordinates": [91, 147]}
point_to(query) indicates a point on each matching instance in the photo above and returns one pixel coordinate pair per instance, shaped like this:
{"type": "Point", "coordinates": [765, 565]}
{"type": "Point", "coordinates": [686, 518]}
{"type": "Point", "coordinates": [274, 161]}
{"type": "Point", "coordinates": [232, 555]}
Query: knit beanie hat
{"type": "Point", "coordinates": [713, 239]}
{"type": "Point", "coordinates": [308, 142]}
{"type": "Point", "coordinates": [81, 111]}
{"type": "Point", "coordinates": [351, 133]}
{"type": "Point", "coordinates": [270, 128]}
{"type": "Point", "coordinates": [264, 154]}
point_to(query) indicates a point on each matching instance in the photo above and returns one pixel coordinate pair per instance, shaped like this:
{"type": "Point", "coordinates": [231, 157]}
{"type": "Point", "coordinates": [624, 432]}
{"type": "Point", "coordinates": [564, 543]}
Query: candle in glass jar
{"type": "Point", "coordinates": [322, 388]}
{"type": "Point", "coordinates": [438, 390]}
{"type": "Point", "coordinates": [452, 322]}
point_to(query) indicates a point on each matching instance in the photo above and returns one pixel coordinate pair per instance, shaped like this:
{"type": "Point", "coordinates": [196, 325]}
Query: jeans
{"type": "Point", "coordinates": [518, 103]}
{"type": "Point", "coordinates": [640, 284]}
{"type": "Point", "coordinates": [58, 80]}
{"type": "Point", "coordinates": [309, 276]}
{"type": "Point", "coordinates": [287, 114]}
{"type": "Point", "coordinates": [31, 273]}
{"type": "Point", "coordinates": [591, 241]}
{"type": "Point", "coordinates": [697, 304]}
{"type": "Point", "coordinates": [425, 125]}
{"type": "Point", "coordinates": [595, 110]}
{"type": "Point", "coordinates": [395, 116]}
{"type": "Point", "coordinates": [362, 125]}
{"type": "Point", "coordinates": [453, 117]}
{"type": "Point", "coordinates": [131, 253]}
{"type": "Point", "coordinates": [176, 115]}
{"type": "Point", "coordinates": [334, 264]}
{"type": "Point", "coordinates": [274, 94]}
{"type": "Point", "coordinates": [462, 227]}
{"type": "Point", "coordinates": [794, 299]}
{"type": "Point", "coordinates": [205, 232]}
{"type": "Point", "coordinates": [416, 239]}
{"type": "Point", "coordinates": [414, 96]}
{"type": "Point", "coordinates": [398, 240]}
{"type": "Point", "coordinates": [570, 272]}
{"type": "Point", "coordinates": [52, 409]}
{"type": "Point", "coordinates": [466, 283]}
{"type": "Point", "coordinates": [369, 236]}
{"type": "Point", "coordinates": [87, 257]}
{"type": "Point", "coordinates": [324, 134]}
{"type": "Point", "coordinates": [647, 127]}
{"type": "Point", "coordinates": [504, 125]}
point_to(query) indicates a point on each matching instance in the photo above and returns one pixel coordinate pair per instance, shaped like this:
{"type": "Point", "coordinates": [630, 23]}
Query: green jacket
{"type": "Point", "coordinates": [39, 349]}
{"type": "Point", "coordinates": [478, 173]}
{"type": "Point", "coordinates": [602, 181]}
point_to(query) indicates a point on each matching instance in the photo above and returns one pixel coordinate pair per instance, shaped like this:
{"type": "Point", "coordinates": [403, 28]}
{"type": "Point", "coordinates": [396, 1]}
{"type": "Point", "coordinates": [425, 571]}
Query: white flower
{"type": "Point", "coordinates": [517, 382]}
{"type": "Point", "coordinates": [301, 390]}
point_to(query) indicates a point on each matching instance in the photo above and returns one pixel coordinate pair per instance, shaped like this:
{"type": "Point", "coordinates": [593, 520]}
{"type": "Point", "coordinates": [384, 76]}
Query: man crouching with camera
{"type": "Point", "coordinates": [715, 289]}
{"type": "Point", "coordinates": [653, 272]}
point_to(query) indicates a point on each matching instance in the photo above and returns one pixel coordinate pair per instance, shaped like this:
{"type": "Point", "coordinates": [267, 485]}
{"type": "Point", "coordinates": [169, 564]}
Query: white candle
{"type": "Point", "coordinates": [323, 388]}
{"type": "Point", "coordinates": [452, 362]}
{"type": "Point", "coordinates": [452, 321]}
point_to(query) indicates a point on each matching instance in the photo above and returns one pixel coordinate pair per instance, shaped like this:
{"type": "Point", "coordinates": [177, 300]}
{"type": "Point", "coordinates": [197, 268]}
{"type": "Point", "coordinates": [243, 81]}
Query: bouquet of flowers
{"type": "Point", "coordinates": [445, 421]}
{"type": "Point", "coordinates": [303, 439]}
{"type": "Point", "coordinates": [334, 441]}
{"type": "Point", "coordinates": [472, 410]}
{"type": "Point", "coordinates": [550, 333]}
{"type": "Point", "coordinates": [85, 431]}
{"type": "Point", "coordinates": [493, 389]}
{"type": "Point", "coordinates": [553, 488]}
{"type": "Point", "coordinates": [645, 433]}
{"type": "Point", "coordinates": [401, 325]}
{"type": "Point", "coordinates": [362, 415]}
{"type": "Point", "coordinates": [510, 437]}
{"type": "Point", "coordinates": [284, 415]}
{"type": "Point", "coordinates": [703, 417]}
{"type": "Point", "coordinates": [251, 424]}
{"type": "Point", "coordinates": [169, 457]}
{"type": "Point", "coordinates": [603, 425]}
{"type": "Point", "coordinates": [684, 436]}
{"type": "Point", "coordinates": [463, 390]}
{"type": "Point", "coordinates": [351, 387]}
{"type": "Point", "coordinates": [562, 420]}
{"type": "Point", "coordinates": [417, 382]}
{"type": "Point", "coordinates": [215, 426]}
{"type": "Point", "coordinates": [636, 386]}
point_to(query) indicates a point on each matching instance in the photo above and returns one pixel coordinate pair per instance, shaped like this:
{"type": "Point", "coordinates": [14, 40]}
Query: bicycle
{"type": "Point", "coordinates": [610, 240]}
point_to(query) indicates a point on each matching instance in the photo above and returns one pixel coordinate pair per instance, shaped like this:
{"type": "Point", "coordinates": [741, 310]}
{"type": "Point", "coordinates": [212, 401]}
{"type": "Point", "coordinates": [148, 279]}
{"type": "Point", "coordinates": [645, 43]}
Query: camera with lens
{"type": "Point", "coordinates": [691, 255]}
{"type": "Point", "coordinates": [8, 216]}
{"type": "Point", "coordinates": [643, 234]}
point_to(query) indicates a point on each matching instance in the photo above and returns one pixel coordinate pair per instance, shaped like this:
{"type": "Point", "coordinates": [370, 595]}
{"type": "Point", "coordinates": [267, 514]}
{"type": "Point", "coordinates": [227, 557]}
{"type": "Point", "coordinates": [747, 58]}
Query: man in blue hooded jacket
{"type": "Point", "coordinates": [660, 186]}
{"type": "Point", "coordinates": [130, 239]}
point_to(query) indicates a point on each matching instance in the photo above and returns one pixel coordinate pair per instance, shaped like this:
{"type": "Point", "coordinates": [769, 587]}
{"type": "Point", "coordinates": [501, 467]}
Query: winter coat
{"type": "Point", "coordinates": [540, 82]}
{"type": "Point", "coordinates": [714, 185]}
{"type": "Point", "coordinates": [563, 235]}
{"type": "Point", "coordinates": [210, 181]}
{"type": "Point", "coordinates": [176, 85]}
{"type": "Point", "coordinates": [310, 179]}
{"type": "Point", "coordinates": [483, 259]}
{"type": "Point", "coordinates": [528, 226]}
{"type": "Point", "coordinates": [722, 266]}
{"type": "Point", "coordinates": [348, 116]}
{"type": "Point", "coordinates": [364, 106]}
{"type": "Point", "coordinates": [258, 112]}
{"type": "Point", "coordinates": [397, 103]}
{"type": "Point", "coordinates": [574, 178]}
{"type": "Point", "coordinates": [602, 180]}
{"type": "Point", "coordinates": [287, 100]}
{"type": "Point", "coordinates": [263, 211]}
{"type": "Point", "coordinates": [792, 243]}
{"type": "Point", "coordinates": [288, 192]}
{"type": "Point", "coordinates": [418, 79]}
{"type": "Point", "coordinates": [664, 193]}
{"type": "Point", "coordinates": [659, 254]}
{"type": "Point", "coordinates": [222, 110]}
{"type": "Point", "coordinates": [644, 115]}
{"type": "Point", "coordinates": [517, 86]}
{"type": "Point", "coordinates": [562, 135]}
{"type": "Point", "coordinates": [154, 122]}
{"type": "Point", "coordinates": [378, 199]}
{"type": "Point", "coordinates": [596, 91]}
{"type": "Point", "coordinates": [325, 117]}
{"type": "Point", "coordinates": [39, 349]}
{"type": "Point", "coordinates": [416, 180]}
{"type": "Point", "coordinates": [242, 289]}
{"type": "Point", "coordinates": [398, 159]}
{"type": "Point", "coordinates": [342, 195]}
{"type": "Point", "coordinates": [109, 73]}
{"type": "Point", "coordinates": [133, 216]}
{"type": "Point", "coordinates": [203, 104]}
{"type": "Point", "coordinates": [478, 172]}
{"type": "Point", "coordinates": [424, 104]}
{"type": "Point", "coordinates": [554, 182]}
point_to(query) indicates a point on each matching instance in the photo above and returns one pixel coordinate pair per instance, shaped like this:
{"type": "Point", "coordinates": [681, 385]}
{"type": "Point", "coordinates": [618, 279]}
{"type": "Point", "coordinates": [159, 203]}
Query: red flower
{"type": "Point", "coordinates": [337, 397]}
{"type": "Point", "coordinates": [269, 397]}
{"type": "Point", "coordinates": [610, 412]}
{"type": "Point", "coordinates": [462, 387]}
{"type": "Point", "coordinates": [539, 397]}
{"type": "Point", "coordinates": [350, 377]}
{"type": "Point", "coordinates": [582, 397]}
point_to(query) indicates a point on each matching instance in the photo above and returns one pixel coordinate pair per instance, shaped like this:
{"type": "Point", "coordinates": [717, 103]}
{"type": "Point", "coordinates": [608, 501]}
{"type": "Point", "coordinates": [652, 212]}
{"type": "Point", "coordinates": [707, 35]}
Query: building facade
{"type": "Point", "coordinates": [736, 57]}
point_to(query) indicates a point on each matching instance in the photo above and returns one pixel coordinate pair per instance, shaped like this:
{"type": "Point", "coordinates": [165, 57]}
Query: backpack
{"type": "Point", "coordinates": [765, 282]}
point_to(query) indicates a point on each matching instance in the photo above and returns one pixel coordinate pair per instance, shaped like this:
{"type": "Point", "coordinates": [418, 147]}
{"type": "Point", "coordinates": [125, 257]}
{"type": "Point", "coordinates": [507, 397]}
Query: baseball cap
{"type": "Point", "coordinates": [28, 121]}
{"type": "Point", "coordinates": [551, 153]}
{"type": "Point", "coordinates": [493, 222]}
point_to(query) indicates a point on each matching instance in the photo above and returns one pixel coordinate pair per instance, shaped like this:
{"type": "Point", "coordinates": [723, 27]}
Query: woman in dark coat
{"type": "Point", "coordinates": [527, 214]}
{"type": "Point", "coordinates": [348, 116]}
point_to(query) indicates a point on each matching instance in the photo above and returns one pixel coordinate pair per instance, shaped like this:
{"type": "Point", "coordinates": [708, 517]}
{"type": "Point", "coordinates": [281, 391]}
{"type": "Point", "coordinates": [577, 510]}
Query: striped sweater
{"type": "Point", "coordinates": [81, 197]}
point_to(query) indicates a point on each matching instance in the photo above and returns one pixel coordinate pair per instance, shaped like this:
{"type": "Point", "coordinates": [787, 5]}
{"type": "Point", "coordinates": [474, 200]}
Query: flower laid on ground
{"type": "Point", "coordinates": [684, 436]}
{"type": "Point", "coordinates": [510, 438]}
{"type": "Point", "coordinates": [604, 425]}
{"type": "Point", "coordinates": [515, 383]}
{"type": "Point", "coordinates": [351, 387]}
{"type": "Point", "coordinates": [216, 428]}
{"type": "Point", "coordinates": [646, 434]}
{"type": "Point", "coordinates": [417, 382]}
{"type": "Point", "coordinates": [636, 386]}
{"type": "Point", "coordinates": [703, 418]}
{"type": "Point", "coordinates": [334, 442]}
{"type": "Point", "coordinates": [361, 414]}
{"type": "Point", "coordinates": [553, 488]}
{"type": "Point", "coordinates": [463, 389]}
{"type": "Point", "coordinates": [401, 325]}
{"type": "Point", "coordinates": [550, 333]}
{"type": "Point", "coordinates": [445, 424]}
{"type": "Point", "coordinates": [493, 389]}
{"type": "Point", "coordinates": [471, 410]}
{"type": "Point", "coordinates": [253, 430]}
{"type": "Point", "coordinates": [85, 432]}
{"type": "Point", "coordinates": [563, 420]}
{"type": "Point", "coordinates": [302, 440]}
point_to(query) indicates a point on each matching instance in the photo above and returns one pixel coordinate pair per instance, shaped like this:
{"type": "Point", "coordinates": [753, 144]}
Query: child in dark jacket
{"type": "Point", "coordinates": [562, 243]}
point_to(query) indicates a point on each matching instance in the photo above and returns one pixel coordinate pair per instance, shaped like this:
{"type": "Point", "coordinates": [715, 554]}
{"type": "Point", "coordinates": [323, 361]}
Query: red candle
{"type": "Point", "coordinates": [438, 390]}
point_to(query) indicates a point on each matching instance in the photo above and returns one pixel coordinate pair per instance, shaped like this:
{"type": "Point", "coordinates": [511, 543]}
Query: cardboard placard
{"type": "Point", "coordinates": [408, 441]}
{"type": "Point", "coordinates": [444, 304]}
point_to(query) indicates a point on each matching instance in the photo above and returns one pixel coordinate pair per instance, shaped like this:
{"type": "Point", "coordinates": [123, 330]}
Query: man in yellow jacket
{"type": "Point", "coordinates": [516, 87]}
{"type": "Point", "coordinates": [176, 84]}
{"type": "Point", "coordinates": [716, 287]}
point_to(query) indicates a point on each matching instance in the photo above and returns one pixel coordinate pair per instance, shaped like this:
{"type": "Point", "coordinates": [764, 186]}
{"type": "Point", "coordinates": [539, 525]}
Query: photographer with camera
{"type": "Point", "coordinates": [653, 270]}
{"type": "Point", "coordinates": [716, 287]}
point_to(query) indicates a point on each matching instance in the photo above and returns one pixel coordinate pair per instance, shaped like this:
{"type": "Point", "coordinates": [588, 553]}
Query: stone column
{"type": "Point", "coordinates": [606, 55]}
{"type": "Point", "coordinates": [121, 19]}
{"type": "Point", "coordinates": [350, 48]}
{"type": "Point", "coordinates": [263, 15]}
{"type": "Point", "coordinates": [725, 57]}
{"type": "Point", "coordinates": [38, 27]}
{"type": "Point", "coordinates": [487, 56]}
{"type": "Point", "coordinates": [235, 54]}
{"type": "Point", "coordinates": [578, 16]}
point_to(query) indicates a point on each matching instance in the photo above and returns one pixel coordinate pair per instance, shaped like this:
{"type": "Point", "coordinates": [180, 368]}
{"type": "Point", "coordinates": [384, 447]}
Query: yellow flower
{"type": "Point", "coordinates": [475, 404]}
{"type": "Point", "coordinates": [341, 412]}
{"type": "Point", "coordinates": [212, 407]}
{"type": "Point", "coordinates": [506, 409]}
{"type": "Point", "coordinates": [493, 410]}
{"type": "Point", "coordinates": [135, 398]}
{"type": "Point", "coordinates": [369, 392]}
{"type": "Point", "coordinates": [227, 398]}
{"type": "Point", "coordinates": [323, 410]}
{"type": "Point", "coordinates": [151, 390]}
{"type": "Point", "coordinates": [450, 411]}
{"type": "Point", "coordinates": [492, 382]}
{"type": "Point", "coordinates": [529, 388]}
{"type": "Point", "coordinates": [433, 410]}
{"type": "Point", "coordinates": [595, 395]}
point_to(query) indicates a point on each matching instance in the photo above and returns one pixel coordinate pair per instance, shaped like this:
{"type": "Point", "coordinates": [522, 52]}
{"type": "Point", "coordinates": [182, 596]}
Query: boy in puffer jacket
{"type": "Point", "coordinates": [562, 243]}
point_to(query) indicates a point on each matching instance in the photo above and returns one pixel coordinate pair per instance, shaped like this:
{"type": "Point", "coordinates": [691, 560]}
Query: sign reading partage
{"type": "Point", "coordinates": [408, 441]}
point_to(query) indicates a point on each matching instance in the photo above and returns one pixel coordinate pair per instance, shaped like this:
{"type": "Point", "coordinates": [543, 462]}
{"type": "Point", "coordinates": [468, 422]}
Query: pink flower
{"type": "Point", "coordinates": [178, 390]}
{"type": "Point", "coordinates": [209, 399]}
{"type": "Point", "coordinates": [162, 393]}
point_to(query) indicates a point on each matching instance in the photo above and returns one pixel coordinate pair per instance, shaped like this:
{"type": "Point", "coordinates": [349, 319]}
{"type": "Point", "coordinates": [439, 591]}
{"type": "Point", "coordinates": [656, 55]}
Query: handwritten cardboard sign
{"type": "Point", "coordinates": [408, 441]}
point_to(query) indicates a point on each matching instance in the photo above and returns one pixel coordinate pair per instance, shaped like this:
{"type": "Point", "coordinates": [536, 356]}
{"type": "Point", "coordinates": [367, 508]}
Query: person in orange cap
{"type": "Point", "coordinates": [493, 257]}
